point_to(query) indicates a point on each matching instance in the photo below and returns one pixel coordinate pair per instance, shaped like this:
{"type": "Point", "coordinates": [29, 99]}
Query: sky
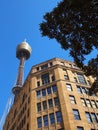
{"type": "Point", "coordinates": [19, 20]}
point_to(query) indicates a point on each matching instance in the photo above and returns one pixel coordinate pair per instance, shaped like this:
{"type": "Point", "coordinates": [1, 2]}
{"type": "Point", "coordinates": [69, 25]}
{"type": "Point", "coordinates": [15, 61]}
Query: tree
{"type": "Point", "coordinates": [74, 24]}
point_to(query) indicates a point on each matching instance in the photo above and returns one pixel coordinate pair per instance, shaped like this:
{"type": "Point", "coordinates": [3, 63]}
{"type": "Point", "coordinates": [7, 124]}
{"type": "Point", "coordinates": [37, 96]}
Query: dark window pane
{"type": "Point", "coordinates": [44, 105]}
{"type": "Point", "coordinates": [43, 92]}
{"type": "Point", "coordinates": [81, 78]}
{"type": "Point", "coordinates": [38, 107]}
{"type": "Point", "coordinates": [54, 88]}
{"type": "Point", "coordinates": [45, 118]}
{"type": "Point", "coordinates": [38, 94]}
{"type": "Point", "coordinates": [56, 101]}
{"type": "Point", "coordinates": [50, 103]}
{"type": "Point", "coordinates": [53, 78]}
{"type": "Point", "coordinates": [38, 83]}
{"type": "Point", "coordinates": [79, 89]}
{"type": "Point", "coordinates": [76, 114]}
{"type": "Point", "coordinates": [66, 77]}
{"type": "Point", "coordinates": [58, 116]}
{"type": "Point", "coordinates": [69, 87]}
{"type": "Point", "coordinates": [94, 118]}
{"type": "Point", "coordinates": [49, 90]}
{"type": "Point", "coordinates": [52, 119]}
{"type": "Point", "coordinates": [80, 128]}
{"type": "Point", "coordinates": [88, 117]}
{"type": "Point", "coordinates": [45, 78]}
{"type": "Point", "coordinates": [72, 99]}
{"type": "Point", "coordinates": [39, 122]}
{"type": "Point", "coordinates": [44, 66]}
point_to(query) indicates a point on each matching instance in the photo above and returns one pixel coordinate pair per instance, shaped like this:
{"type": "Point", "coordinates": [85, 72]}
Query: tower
{"type": "Point", "coordinates": [23, 52]}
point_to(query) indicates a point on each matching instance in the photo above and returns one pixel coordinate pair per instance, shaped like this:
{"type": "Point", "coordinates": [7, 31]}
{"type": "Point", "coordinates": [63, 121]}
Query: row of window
{"type": "Point", "coordinates": [47, 104]}
{"type": "Point", "coordinates": [89, 103]}
{"type": "Point", "coordinates": [80, 89]}
{"type": "Point", "coordinates": [44, 66]}
{"type": "Point", "coordinates": [45, 79]}
{"type": "Point", "coordinates": [46, 91]}
{"type": "Point", "coordinates": [91, 117]}
{"type": "Point", "coordinates": [85, 102]}
{"type": "Point", "coordinates": [69, 65]}
{"type": "Point", "coordinates": [80, 78]}
{"type": "Point", "coordinates": [52, 118]}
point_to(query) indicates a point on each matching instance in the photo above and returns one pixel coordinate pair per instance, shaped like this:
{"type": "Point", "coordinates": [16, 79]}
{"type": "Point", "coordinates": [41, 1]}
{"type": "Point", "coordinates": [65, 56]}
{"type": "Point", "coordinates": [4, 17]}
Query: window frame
{"type": "Point", "coordinates": [76, 114]}
{"type": "Point", "coordinates": [45, 120]}
{"type": "Point", "coordinates": [52, 118]}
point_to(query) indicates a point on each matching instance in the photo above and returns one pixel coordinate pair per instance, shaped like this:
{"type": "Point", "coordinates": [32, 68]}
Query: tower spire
{"type": "Point", "coordinates": [23, 52]}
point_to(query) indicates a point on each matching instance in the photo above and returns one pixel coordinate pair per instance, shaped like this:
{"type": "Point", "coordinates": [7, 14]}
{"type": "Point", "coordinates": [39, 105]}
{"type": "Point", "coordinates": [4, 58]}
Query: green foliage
{"type": "Point", "coordinates": [74, 24]}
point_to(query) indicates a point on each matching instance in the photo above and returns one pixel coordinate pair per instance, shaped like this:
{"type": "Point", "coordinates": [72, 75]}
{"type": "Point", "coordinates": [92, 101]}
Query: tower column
{"type": "Point", "coordinates": [20, 72]}
{"type": "Point", "coordinates": [23, 52]}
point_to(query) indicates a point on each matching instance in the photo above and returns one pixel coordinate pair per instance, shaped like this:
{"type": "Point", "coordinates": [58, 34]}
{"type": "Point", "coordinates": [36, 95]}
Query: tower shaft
{"type": "Point", "coordinates": [19, 81]}
{"type": "Point", "coordinates": [23, 52]}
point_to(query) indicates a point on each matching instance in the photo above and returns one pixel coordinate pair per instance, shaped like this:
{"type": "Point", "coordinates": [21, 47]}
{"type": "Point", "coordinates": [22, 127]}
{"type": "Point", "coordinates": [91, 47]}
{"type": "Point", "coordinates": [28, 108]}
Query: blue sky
{"type": "Point", "coordinates": [20, 19]}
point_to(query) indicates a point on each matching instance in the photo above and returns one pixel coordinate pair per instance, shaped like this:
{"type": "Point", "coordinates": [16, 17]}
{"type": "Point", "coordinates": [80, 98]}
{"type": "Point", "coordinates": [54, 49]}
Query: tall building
{"type": "Point", "coordinates": [54, 97]}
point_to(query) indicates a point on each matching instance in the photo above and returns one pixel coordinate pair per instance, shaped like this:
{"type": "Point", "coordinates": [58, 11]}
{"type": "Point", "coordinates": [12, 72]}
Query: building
{"type": "Point", "coordinates": [54, 97]}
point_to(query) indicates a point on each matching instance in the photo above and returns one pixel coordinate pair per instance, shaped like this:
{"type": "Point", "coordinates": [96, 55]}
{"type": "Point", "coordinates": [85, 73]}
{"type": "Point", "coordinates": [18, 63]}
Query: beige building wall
{"type": "Point", "coordinates": [72, 95]}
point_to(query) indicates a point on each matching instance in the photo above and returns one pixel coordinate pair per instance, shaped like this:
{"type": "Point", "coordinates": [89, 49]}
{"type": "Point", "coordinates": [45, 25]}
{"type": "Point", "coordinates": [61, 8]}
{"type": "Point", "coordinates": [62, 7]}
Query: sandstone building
{"type": "Point", "coordinates": [54, 97]}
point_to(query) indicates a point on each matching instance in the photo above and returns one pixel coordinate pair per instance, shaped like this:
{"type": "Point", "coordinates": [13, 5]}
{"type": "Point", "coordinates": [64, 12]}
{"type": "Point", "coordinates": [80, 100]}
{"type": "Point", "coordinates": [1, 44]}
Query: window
{"type": "Point", "coordinates": [93, 104]}
{"type": "Point", "coordinates": [69, 87]}
{"type": "Point", "coordinates": [80, 128]}
{"type": "Point", "coordinates": [50, 103]}
{"type": "Point", "coordinates": [88, 117]}
{"type": "Point", "coordinates": [45, 78]}
{"type": "Point", "coordinates": [43, 92]}
{"type": "Point", "coordinates": [51, 64]}
{"type": "Point", "coordinates": [44, 105]}
{"type": "Point", "coordinates": [84, 90]}
{"type": "Point", "coordinates": [58, 116]}
{"type": "Point", "coordinates": [44, 66]}
{"type": "Point", "coordinates": [39, 122]}
{"type": "Point", "coordinates": [49, 90]}
{"type": "Point", "coordinates": [56, 101]}
{"type": "Point", "coordinates": [37, 68]}
{"type": "Point", "coordinates": [45, 118]}
{"type": "Point", "coordinates": [62, 63]}
{"type": "Point", "coordinates": [64, 69]}
{"type": "Point", "coordinates": [72, 99]}
{"type": "Point", "coordinates": [79, 89]}
{"type": "Point", "coordinates": [81, 78]}
{"type": "Point", "coordinates": [94, 118]}
{"type": "Point", "coordinates": [38, 83]}
{"type": "Point", "coordinates": [76, 114]}
{"type": "Point", "coordinates": [66, 77]}
{"type": "Point", "coordinates": [70, 65]}
{"type": "Point", "coordinates": [53, 78]}
{"type": "Point", "coordinates": [54, 88]}
{"type": "Point", "coordinates": [38, 94]}
{"type": "Point", "coordinates": [88, 103]}
{"type": "Point", "coordinates": [52, 119]}
{"type": "Point", "coordinates": [38, 107]}
{"type": "Point", "coordinates": [75, 79]}
{"type": "Point", "coordinates": [83, 102]}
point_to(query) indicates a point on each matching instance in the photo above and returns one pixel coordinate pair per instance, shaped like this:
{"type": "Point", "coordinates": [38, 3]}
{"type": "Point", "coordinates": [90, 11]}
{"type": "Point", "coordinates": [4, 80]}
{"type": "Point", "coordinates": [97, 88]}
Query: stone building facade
{"type": "Point", "coordinates": [54, 97]}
